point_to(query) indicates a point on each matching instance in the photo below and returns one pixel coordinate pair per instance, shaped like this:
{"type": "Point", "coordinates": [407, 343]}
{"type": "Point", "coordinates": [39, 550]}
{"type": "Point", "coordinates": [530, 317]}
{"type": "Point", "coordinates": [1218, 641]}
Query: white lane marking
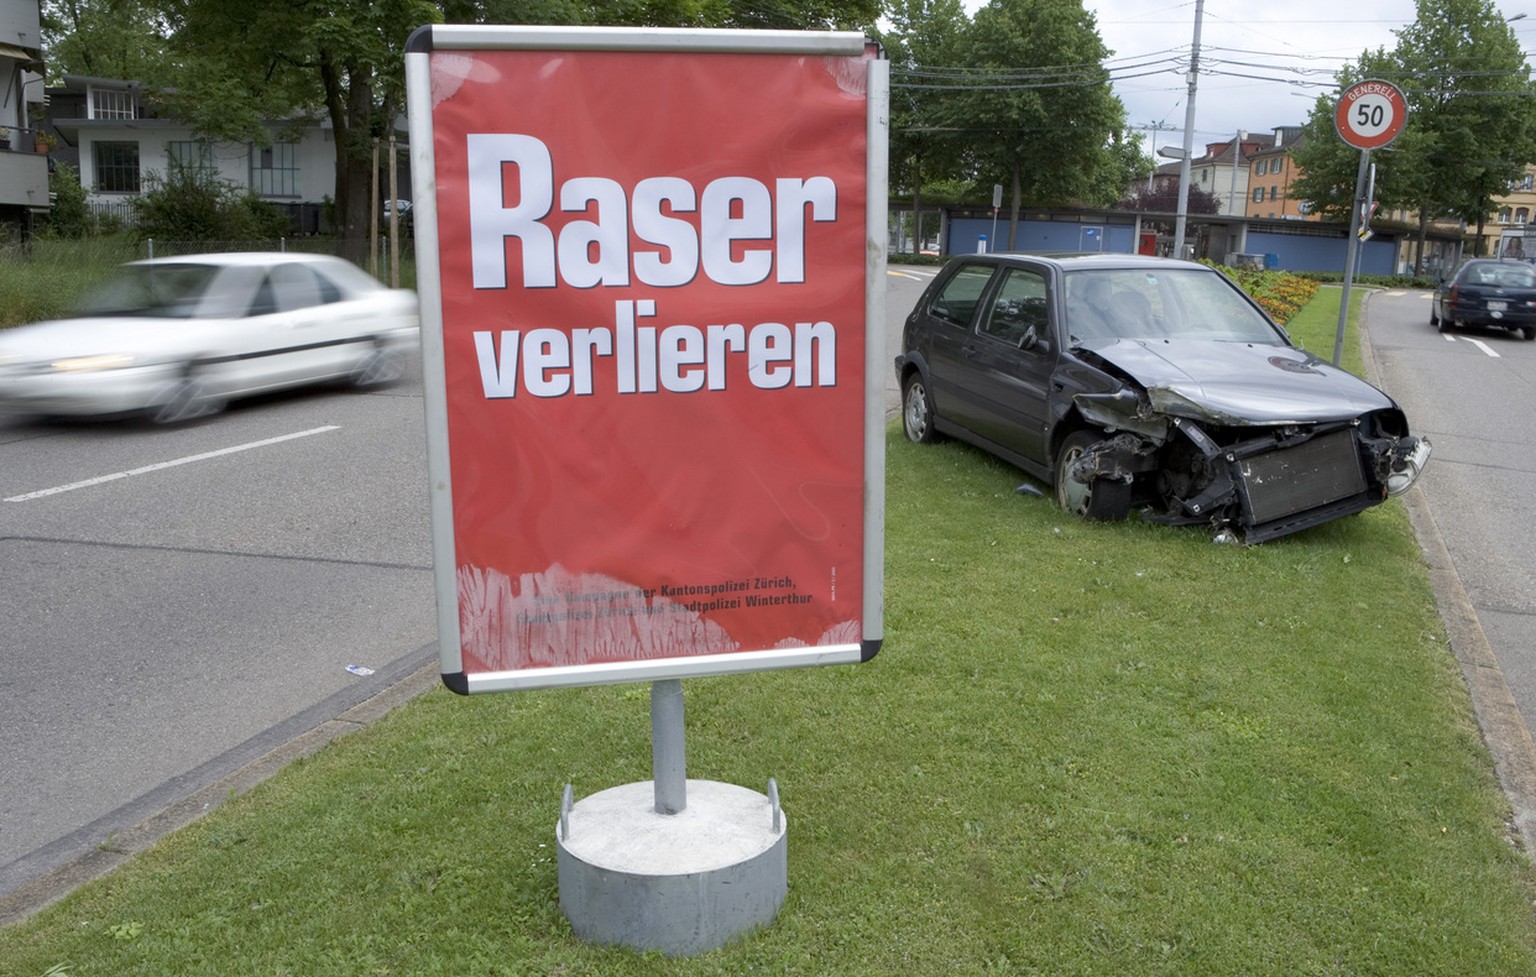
{"type": "Point", "coordinates": [1475, 342]}
{"type": "Point", "coordinates": [1482, 346]}
{"type": "Point", "coordinates": [157, 466]}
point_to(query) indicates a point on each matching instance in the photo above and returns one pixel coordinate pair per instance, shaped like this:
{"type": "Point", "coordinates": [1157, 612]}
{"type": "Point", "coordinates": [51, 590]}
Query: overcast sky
{"type": "Point", "coordinates": [1262, 64]}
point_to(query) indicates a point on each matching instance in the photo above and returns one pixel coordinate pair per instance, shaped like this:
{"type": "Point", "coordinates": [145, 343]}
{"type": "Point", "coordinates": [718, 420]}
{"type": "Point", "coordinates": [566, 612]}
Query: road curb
{"type": "Point", "coordinates": [124, 845]}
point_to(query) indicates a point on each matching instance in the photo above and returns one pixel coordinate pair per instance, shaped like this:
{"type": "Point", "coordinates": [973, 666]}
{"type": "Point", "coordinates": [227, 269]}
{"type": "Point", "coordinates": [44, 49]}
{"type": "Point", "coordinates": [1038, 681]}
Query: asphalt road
{"type": "Point", "coordinates": [1471, 393]}
{"type": "Point", "coordinates": [163, 625]}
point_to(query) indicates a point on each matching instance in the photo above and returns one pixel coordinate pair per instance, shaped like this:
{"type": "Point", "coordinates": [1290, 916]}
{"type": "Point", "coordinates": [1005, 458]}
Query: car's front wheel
{"type": "Point", "coordinates": [917, 410]}
{"type": "Point", "coordinates": [1098, 499]}
{"type": "Point", "coordinates": [189, 399]}
{"type": "Point", "coordinates": [1529, 332]}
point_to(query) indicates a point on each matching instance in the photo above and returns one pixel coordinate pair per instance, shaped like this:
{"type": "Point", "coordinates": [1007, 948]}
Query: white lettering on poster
{"type": "Point", "coordinates": [746, 233]}
{"type": "Point", "coordinates": [679, 358]}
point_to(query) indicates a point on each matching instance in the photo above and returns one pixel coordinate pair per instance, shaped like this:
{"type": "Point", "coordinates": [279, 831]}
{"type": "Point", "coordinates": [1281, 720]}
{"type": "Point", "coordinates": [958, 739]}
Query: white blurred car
{"type": "Point", "coordinates": [178, 338]}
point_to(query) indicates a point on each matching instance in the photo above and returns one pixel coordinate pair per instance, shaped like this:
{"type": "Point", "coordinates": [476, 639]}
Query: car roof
{"type": "Point", "coordinates": [1085, 260]}
{"type": "Point", "coordinates": [239, 258]}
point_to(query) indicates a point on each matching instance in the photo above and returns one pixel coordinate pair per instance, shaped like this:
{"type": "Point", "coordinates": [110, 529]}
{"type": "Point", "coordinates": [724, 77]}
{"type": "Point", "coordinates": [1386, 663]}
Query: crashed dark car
{"type": "Point", "coordinates": [1132, 383]}
{"type": "Point", "coordinates": [1487, 292]}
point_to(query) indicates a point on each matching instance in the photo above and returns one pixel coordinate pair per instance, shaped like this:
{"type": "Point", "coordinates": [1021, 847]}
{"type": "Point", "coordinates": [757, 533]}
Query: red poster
{"type": "Point", "coordinates": [652, 273]}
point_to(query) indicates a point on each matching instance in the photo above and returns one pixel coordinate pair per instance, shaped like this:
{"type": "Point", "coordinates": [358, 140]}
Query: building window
{"type": "Point", "coordinates": [1274, 192]}
{"type": "Point", "coordinates": [1526, 183]}
{"type": "Point", "coordinates": [1504, 216]}
{"type": "Point", "coordinates": [1260, 168]}
{"type": "Point", "coordinates": [1521, 214]}
{"type": "Point", "coordinates": [111, 103]}
{"type": "Point", "coordinates": [117, 166]}
{"type": "Point", "coordinates": [1258, 195]}
{"type": "Point", "coordinates": [275, 170]}
{"type": "Point", "coordinates": [192, 157]}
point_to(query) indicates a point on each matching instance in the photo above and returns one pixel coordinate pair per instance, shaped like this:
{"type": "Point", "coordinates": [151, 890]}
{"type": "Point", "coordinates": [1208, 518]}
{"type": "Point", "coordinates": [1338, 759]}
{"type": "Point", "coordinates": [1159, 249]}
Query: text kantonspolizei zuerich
{"type": "Point", "coordinates": [744, 233]}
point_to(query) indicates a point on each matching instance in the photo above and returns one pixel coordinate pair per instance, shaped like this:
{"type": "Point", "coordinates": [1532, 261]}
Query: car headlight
{"type": "Point", "coordinates": [92, 364]}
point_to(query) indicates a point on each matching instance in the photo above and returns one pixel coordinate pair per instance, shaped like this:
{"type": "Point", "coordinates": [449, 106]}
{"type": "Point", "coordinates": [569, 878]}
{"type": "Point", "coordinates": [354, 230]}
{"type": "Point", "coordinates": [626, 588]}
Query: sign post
{"type": "Point", "coordinates": [1369, 115]}
{"type": "Point", "coordinates": [651, 266]}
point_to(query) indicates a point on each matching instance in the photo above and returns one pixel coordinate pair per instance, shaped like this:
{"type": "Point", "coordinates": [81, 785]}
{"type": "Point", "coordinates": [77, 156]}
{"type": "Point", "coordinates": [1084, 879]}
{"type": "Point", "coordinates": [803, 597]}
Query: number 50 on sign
{"type": "Point", "coordinates": [1370, 114]}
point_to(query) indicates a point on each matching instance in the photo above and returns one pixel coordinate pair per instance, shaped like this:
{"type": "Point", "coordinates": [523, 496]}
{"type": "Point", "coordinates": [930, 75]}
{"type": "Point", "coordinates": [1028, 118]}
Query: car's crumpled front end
{"type": "Point", "coordinates": [1241, 454]}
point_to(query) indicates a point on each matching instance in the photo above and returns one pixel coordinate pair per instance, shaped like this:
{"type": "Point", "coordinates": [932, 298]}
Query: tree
{"type": "Point", "coordinates": [1039, 111]}
{"type": "Point", "coordinates": [1471, 123]}
{"type": "Point", "coordinates": [1476, 125]}
{"type": "Point", "coordinates": [1163, 198]}
{"type": "Point", "coordinates": [923, 34]}
{"type": "Point", "coordinates": [103, 38]}
{"type": "Point", "coordinates": [235, 66]}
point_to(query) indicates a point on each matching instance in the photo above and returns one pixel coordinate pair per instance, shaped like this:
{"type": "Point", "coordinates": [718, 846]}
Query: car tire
{"type": "Point", "coordinates": [1102, 500]}
{"type": "Point", "coordinates": [381, 367]}
{"type": "Point", "coordinates": [917, 410]}
{"type": "Point", "coordinates": [1529, 332]}
{"type": "Point", "coordinates": [189, 400]}
{"type": "Point", "coordinates": [1434, 317]}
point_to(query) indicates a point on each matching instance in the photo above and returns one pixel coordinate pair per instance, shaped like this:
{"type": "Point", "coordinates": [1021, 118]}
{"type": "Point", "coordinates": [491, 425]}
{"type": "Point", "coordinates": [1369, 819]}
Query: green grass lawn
{"type": "Point", "coordinates": [1084, 749]}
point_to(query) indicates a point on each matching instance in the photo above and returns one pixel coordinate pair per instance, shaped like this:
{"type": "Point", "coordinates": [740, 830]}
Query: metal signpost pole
{"type": "Point", "coordinates": [1369, 115]}
{"type": "Point", "coordinates": [667, 747]}
{"type": "Point", "coordinates": [1351, 249]}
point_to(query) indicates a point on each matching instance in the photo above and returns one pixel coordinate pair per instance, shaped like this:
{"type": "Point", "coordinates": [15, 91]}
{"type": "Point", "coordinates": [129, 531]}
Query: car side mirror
{"type": "Point", "coordinates": [1030, 339]}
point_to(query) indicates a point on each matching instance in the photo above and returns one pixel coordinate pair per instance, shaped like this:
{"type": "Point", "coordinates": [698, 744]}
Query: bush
{"type": "Point", "coordinates": [1281, 293]}
{"type": "Point", "coordinates": [186, 205]}
{"type": "Point", "coordinates": [68, 216]}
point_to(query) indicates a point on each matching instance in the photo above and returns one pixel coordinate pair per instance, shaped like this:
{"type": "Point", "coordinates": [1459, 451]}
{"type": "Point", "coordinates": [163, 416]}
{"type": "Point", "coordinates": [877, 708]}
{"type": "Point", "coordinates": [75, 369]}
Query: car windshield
{"type": "Point", "coordinates": [160, 290]}
{"type": "Point", "coordinates": [1162, 303]}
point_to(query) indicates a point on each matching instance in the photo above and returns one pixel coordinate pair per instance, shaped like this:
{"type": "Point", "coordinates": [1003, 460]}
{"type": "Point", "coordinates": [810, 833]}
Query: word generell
{"type": "Point", "coordinates": [731, 210]}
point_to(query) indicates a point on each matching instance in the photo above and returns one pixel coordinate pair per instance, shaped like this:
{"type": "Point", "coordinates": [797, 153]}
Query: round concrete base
{"type": "Point", "coordinates": [680, 883]}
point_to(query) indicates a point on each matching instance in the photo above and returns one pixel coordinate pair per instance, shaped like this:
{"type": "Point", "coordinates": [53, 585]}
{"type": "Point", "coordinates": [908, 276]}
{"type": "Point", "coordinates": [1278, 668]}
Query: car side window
{"type": "Point", "coordinates": [956, 302]}
{"type": "Point", "coordinates": [1018, 311]}
{"type": "Point", "coordinates": [294, 287]}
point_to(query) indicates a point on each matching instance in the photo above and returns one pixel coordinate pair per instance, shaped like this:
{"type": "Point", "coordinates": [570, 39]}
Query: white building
{"type": "Point", "coordinates": [122, 144]}
{"type": "Point", "coordinates": [23, 169]}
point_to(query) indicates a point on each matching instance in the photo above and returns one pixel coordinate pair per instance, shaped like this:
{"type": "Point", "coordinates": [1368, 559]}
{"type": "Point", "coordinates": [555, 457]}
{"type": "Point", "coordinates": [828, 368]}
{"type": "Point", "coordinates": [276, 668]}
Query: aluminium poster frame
{"type": "Point", "coordinates": [702, 310]}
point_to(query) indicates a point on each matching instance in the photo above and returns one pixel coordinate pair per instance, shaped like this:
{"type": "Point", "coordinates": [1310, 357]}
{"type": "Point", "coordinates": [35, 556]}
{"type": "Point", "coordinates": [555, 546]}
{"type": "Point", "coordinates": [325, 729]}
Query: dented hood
{"type": "Point", "coordinates": [1239, 383]}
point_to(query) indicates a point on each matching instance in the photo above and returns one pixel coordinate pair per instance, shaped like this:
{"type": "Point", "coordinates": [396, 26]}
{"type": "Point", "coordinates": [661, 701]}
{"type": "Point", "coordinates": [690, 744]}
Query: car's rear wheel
{"type": "Point", "coordinates": [1434, 317]}
{"type": "Point", "coordinates": [917, 410]}
{"type": "Point", "coordinates": [1099, 499]}
{"type": "Point", "coordinates": [1529, 332]}
{"type": "Point", "coordinates": [380, 367]}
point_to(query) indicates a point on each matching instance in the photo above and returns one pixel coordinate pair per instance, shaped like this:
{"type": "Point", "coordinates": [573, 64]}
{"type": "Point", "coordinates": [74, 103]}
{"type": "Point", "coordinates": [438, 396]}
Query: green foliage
{"type": "Point", "coordinates": [1042, 94]}
{"type": "Point", "coordinates": [186, 206]}
{"type": "Point", "coordinates": [101, 38]}
{"type": "Point", "coordinates": [1281, 293]}
{"type": "Point", "coordinates": [68, 214]}
{"type": "Point", "coordinates": [43, 281]}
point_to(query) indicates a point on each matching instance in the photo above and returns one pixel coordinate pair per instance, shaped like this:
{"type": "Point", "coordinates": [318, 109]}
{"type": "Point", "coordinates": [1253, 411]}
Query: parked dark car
{"type": "Point", "coordinates": [1488, 292]}
{"type": "Point", "coordinates": [1127, 381]}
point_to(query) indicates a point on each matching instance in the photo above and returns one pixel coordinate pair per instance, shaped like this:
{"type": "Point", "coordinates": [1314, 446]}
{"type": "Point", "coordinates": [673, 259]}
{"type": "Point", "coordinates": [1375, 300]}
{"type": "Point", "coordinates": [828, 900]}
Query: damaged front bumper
{"type": "Point", "coordinates": [1273, 482]}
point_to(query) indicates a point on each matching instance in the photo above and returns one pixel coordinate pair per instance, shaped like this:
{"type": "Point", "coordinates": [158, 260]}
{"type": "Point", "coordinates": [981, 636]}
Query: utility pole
{"type": "Point", "coordinates": [1189, 135]}
{"type": "Point", "coordinates": [1154, 128]}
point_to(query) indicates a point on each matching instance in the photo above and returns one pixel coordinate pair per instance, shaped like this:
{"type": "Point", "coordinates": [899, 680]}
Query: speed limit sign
{"type": "Point", "coordinates": [1370, 114]}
